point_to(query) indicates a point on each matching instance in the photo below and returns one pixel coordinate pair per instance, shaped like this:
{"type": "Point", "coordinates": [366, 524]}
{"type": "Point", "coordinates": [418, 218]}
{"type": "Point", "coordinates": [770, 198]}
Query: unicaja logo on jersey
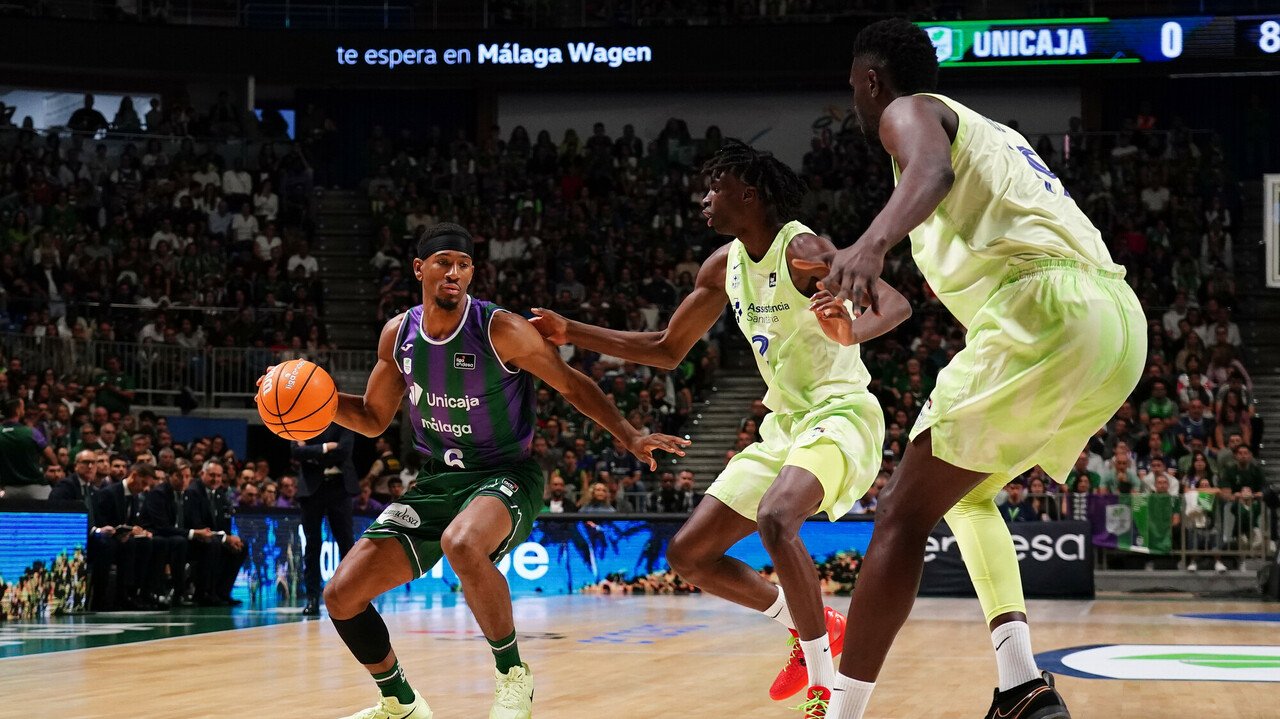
{"type": "Point", "coordinates": [401, 515]}
{"type": "Point", "coordinates": [453, 458]}
{"type": "Point", "coordinates": [431, 399]}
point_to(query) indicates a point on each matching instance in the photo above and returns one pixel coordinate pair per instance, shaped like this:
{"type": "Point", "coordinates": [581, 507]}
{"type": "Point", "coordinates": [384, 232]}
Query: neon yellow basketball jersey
{"type": "Point", "coordinates": [1005, 208]}
{"type": "Point", "coordinates": [801, 366]}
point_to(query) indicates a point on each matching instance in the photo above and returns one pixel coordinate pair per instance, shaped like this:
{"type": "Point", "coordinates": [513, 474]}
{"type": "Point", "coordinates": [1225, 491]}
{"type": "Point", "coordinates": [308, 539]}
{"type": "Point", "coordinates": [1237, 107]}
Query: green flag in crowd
{"type": "Point", "coordinates": [1151, 523]}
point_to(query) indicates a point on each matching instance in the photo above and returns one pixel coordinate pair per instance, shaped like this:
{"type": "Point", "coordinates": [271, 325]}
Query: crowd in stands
{"type": "Point", "coordinates": [137, 238]}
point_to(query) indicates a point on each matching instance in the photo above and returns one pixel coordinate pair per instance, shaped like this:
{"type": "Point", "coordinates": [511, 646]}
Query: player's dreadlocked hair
{"type": "Point", "coordinates": [779, 186]}
{"type": "Point", "coordinates": [905, 52]}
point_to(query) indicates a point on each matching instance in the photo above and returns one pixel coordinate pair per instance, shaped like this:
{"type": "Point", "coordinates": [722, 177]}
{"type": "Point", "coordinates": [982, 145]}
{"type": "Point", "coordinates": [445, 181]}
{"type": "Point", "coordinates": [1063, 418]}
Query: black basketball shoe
{"type": "Point", "coordinates": [1036, 699]}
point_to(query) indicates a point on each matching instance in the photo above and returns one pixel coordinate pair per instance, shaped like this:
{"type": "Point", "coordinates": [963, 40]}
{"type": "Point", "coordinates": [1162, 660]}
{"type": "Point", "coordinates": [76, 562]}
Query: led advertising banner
{"type": "Point", "coordinates": [1055, 559]}
{"type": "Point", "coordinates": [572, 555]}
{"type": "Point", "coordinates": [563, 555]}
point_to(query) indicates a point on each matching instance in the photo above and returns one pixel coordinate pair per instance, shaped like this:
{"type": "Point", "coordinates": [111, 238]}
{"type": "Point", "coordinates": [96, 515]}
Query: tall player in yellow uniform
{"type": "Point", "coordinates": [1055, 343]}
{"type": "Point", "coordinates": [821, 445]}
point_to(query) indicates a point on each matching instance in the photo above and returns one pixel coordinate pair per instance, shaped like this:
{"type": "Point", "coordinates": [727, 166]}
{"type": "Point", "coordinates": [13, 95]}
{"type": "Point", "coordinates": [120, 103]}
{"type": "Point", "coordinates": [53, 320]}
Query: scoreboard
{"type": "Point", "coordinates": [1103, 41]}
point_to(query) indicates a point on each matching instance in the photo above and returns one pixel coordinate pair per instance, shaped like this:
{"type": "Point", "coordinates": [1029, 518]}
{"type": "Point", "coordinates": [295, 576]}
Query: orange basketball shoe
{"type": "Point", "coordinates": [795, 675]}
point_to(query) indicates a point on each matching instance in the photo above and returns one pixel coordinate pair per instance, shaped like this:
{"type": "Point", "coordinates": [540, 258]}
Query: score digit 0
{"type": "Point", "coordinates": [1171, 40]}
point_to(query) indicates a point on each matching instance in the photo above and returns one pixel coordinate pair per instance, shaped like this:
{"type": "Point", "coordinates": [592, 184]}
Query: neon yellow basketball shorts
{"type": "Point", "coordinates": [840, 441]}
{"type": "Point", "coordinates": [1047, 361]}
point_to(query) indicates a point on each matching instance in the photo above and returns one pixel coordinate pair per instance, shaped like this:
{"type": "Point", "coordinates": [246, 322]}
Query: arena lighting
{"type": "Point", "coordinates": [1101, 40]}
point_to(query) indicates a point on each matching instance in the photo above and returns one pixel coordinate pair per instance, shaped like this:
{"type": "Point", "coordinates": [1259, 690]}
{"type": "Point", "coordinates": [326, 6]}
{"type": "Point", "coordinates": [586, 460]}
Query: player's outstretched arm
{"type": "Point", "coordinates": [912, 131]}
{"type": "Point", "coordinates": [664, 349]}
{"type": "Point", "coordinates": [519, 344]}
{"type": "Point", "coordinates": [372, 413]}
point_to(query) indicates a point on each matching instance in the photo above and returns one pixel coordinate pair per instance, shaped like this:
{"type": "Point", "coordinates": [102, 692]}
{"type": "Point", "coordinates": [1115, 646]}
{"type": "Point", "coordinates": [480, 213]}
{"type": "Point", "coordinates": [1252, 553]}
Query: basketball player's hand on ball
{"type": "Point", "coordinates": [851, 273]}
{"type": "Point", "coordinates": [552, 327]}
{"type": "Point", "coordinates": [833, 316]}
{"type": "Point", "coordinates": [643, 447]}
{"type": "Point", "coordinates": [259, 382]}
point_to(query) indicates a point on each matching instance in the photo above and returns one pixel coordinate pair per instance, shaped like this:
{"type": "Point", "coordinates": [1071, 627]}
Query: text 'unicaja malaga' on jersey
{"type": "Point", "coordinates": [464, 403]}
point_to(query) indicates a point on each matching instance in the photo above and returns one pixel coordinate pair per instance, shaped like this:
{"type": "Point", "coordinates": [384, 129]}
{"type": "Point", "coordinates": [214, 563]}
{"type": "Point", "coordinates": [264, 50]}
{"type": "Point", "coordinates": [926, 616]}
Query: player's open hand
{"type": "Point", "coordinates": [643, 447]}
{"type": "Point", "coordinates": [833, 316]}
{"type": "Point", "coordinates": [851, 273]}
{"type": "Point", "coordinates": [553, 327]}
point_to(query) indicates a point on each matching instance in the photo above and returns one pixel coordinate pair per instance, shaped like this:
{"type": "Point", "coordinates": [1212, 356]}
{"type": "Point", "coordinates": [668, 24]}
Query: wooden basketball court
{"type": "Point", "coordinates": [645, 657]}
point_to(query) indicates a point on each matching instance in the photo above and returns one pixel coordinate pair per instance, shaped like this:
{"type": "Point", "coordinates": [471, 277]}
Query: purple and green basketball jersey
{"type": "Point", "coordinates": [469, 410]}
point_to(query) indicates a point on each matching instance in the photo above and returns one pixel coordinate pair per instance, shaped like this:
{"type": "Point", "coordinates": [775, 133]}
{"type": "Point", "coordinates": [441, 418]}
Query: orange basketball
{"type": "Point", "coordinates": [297, 399]}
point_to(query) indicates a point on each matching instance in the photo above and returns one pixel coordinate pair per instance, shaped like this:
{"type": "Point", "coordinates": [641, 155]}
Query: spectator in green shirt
{"type": "Point", "coordinates": [1081, 469]}
{"type": "Point", "coordinates": [21, 449]}
{"type": "Point", "coordinates": [1244, 473]}
{"type": "Point", "coordinates": [1160, 404]}
{"type": "Point", "coordinates": [1226, 456]}
{"type": "Point", "coordinates": [115, 388]}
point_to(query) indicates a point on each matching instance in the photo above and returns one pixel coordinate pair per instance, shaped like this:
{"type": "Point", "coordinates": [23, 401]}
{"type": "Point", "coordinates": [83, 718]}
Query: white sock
{"type": "Point", "coordinates": [817, 657]}
{"type": "Point", "coordinates": [779, 613]}
{"type": "Point", "coordinates": [1014, 658]}
{"type": "Point", "coordinates": [849, 698]}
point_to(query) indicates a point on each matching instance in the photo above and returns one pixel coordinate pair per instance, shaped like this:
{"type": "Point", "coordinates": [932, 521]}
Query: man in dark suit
{"type": "Point", "coordinates": [119, 505]}
{"type": "Point", "coordinates": [83, 481]}
{"type": "Point", "coordinates": [100, 547]}
{"type": "Point", "coordinates": [215, 559]}
{"type": "Point", "coordinates": [163, 516]}
{"type": "Point", "coordinates": [326, 483]}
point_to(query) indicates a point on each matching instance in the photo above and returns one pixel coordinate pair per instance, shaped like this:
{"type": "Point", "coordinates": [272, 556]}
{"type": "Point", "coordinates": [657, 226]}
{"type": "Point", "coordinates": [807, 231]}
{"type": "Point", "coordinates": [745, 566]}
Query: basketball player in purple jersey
{"type": "Point", "coordinates": [468, 367]}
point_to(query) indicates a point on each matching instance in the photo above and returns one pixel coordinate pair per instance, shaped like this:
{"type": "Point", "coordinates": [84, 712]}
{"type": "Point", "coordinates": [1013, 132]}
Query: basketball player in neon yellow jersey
{"type": "Point", "coordinates": [1055, 343]}
{"type": "Point", "coordinates": [821, 445]}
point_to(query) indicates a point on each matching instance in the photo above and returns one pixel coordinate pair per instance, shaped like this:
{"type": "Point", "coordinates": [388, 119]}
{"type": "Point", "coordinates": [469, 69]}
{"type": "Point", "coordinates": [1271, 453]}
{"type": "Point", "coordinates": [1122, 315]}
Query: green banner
{"type": "Point", "coordinates": [1150, 523]}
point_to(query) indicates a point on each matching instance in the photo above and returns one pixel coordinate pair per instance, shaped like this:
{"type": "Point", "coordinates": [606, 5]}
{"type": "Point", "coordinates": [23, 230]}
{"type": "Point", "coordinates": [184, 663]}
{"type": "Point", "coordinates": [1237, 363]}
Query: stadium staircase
{"type": "Point", "coordinates": [1259, 310]}
{"type": "Point", "coordinates": [715, 422]}
{"type": "Point", "coordinates": [343, 247]}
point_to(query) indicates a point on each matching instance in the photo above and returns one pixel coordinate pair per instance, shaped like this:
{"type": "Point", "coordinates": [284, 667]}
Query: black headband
{"type": "Point", "coordinates": [450, 241]}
